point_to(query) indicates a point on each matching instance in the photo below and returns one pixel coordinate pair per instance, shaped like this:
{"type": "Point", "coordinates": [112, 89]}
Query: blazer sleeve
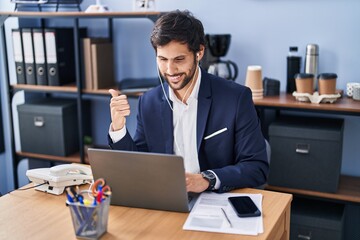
{"type": "Point", "coordinates": [127, 143]}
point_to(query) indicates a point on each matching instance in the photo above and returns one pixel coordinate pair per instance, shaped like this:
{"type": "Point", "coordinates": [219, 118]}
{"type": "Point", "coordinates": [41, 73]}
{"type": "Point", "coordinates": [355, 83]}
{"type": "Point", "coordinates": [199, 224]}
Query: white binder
{"type": "Point", "coordinates": [29, 56]}
{"type": "Point", "coordinates": [18, 56]}
{"type": "Point", "coordinates": [51, 57]}
{"type": "Point", "coordinates": [40, 63]}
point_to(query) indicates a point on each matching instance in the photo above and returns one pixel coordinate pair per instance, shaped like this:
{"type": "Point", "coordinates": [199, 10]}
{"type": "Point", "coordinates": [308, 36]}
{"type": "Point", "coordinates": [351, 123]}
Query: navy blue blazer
{"type": "Point", "coordinates": [237, 156]}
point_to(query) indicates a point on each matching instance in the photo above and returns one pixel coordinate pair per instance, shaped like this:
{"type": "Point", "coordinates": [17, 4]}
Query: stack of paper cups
{"type": "Point", "coordinates": [254, 81]}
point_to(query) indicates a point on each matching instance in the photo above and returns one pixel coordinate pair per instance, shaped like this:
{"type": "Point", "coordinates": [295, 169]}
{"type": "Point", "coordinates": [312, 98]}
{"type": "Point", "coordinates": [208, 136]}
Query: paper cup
{"type": "Point", "coordinates": [304, 83]}
{"type": "Point", "coordinates": [254, 78]}
{"type": "Point", "coordinates": [327, 83]}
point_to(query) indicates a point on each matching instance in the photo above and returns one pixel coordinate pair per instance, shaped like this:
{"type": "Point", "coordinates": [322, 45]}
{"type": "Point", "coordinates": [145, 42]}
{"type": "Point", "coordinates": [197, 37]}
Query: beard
{"type": "Point", "coordinates": [187, 79]}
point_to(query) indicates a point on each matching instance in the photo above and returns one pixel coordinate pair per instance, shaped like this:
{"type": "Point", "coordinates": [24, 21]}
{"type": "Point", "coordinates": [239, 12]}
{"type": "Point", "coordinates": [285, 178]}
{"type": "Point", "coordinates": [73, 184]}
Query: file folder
{"type": "Point", "coordinates": [60, 55]}
{"type": "Point", "coordinates": [18, 56]}
{"type": "Point", "coordinates": [59, 45]}
{"type": "Point", "coordinates": [87, 60]}
{"type": "Point", "coordinates": [39, 50]}
{"type": "Point", "coordinates": [29, 56]}
{"type": "Point", "coordinates": [102, 56]}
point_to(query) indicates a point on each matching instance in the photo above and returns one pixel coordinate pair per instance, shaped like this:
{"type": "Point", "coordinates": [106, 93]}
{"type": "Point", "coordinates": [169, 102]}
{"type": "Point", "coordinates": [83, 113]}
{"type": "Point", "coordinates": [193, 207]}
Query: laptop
{"type": "Point", "coordinates": [142, 179]}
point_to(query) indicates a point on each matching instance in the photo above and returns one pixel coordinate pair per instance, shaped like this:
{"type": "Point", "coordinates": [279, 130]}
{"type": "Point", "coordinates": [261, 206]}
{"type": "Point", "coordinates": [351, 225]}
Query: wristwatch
{"type": "Point", "coordinates": [210, 176]}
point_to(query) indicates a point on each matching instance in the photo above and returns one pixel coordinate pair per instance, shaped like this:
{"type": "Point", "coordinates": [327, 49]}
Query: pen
{"type": "Point", "coordinates": [227, 219]}
{"type": "Point", "coordinates": [69, 198]}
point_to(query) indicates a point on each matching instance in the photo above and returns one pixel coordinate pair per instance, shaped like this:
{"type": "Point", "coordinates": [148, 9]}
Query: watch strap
{"type": "Point", "coordinates": [210, 176]}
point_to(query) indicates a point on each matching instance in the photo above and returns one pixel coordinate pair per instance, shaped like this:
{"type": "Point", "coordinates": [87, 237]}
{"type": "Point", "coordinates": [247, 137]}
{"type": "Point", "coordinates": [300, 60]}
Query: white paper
{"type": "Point", "coordinates": [207, 215]}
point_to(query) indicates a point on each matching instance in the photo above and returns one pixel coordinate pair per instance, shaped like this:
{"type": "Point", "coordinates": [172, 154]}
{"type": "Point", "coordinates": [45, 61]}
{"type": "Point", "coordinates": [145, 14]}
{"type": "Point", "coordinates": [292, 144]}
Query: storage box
{"type": "Point", "coordinates": [306, 153]}
{"type": "Point", "coordinates": [49, 126]}
{"type": "Point", "coordinates": [312, 219]}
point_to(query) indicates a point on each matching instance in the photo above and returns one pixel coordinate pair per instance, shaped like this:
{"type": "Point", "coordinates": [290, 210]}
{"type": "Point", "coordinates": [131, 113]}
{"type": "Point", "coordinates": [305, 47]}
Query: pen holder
{"type": "Point", "coordinates": [90, 222]}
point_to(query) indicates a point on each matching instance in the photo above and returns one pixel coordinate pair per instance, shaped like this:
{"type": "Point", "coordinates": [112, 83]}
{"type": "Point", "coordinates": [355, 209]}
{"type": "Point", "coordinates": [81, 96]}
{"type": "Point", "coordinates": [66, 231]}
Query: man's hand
{"type": "Point", "coordinates": [119, 109]}
{"type": "Point", "coordinates": [196, 183]}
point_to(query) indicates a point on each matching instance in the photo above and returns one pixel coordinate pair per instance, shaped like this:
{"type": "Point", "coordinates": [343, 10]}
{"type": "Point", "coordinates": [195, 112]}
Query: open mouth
{"type": "Point", "coordinates": [174, 78]}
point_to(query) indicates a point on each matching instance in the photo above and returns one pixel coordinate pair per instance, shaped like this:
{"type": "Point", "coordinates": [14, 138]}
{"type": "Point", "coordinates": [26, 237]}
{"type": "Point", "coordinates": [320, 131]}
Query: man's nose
{"type": "Point", "coordinates": [171, 68]}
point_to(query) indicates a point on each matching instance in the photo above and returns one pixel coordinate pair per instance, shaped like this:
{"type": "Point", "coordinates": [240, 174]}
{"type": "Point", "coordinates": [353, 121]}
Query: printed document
{"type": "Point", "coordinates": [207, 215]}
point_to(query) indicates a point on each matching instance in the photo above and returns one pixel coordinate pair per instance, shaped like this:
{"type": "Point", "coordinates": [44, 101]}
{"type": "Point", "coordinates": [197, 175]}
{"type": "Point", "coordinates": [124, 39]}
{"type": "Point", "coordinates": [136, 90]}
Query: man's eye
{"type": "Point", "coordinates": [179, 59]}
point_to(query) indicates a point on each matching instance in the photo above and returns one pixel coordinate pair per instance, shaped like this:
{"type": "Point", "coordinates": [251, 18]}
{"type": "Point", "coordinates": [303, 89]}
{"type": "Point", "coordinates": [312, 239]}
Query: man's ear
{"type": "Point", "coordinates": [200, 53]}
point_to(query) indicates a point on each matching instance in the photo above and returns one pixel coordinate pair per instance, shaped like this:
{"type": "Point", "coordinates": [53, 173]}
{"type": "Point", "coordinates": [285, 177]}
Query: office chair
{"type": "Point", "coordinates": [268, 152]}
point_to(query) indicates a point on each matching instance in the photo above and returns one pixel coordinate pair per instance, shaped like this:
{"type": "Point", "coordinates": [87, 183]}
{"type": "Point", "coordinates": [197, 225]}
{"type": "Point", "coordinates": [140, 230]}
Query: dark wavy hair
{"type": "Point", "coordinates": [180, 26]}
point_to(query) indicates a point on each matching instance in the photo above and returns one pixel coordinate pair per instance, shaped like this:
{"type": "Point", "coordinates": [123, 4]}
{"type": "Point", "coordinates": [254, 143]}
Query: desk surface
{"type": "Point", "coordinates": [31, 214]}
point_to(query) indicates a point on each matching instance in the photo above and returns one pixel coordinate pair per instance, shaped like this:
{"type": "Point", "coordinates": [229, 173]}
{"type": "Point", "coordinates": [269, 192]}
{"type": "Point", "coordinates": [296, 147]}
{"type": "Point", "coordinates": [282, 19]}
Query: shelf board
{"type": "Point", "coordinates": [135, 93]}
{"type": "Point", "coordinates": [74, 158]}
{"type": "Point", "coordinates": [343, 105]}
{"type": "Point", "coordinates": [71, 88]}
{"type": "Point", "coordinates": [37, 88]}
{"type": "Point", "coordinates": [153, 15]}
{"type": "Point", "coordinates": [348, 190]}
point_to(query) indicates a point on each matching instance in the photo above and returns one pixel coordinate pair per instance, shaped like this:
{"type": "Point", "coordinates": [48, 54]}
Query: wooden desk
{"type": "Point", "coordinates": [31, 214]}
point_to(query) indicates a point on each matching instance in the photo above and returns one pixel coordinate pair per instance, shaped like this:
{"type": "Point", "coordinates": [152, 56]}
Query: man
{"type": "Point", "coordinates": [208, 120]}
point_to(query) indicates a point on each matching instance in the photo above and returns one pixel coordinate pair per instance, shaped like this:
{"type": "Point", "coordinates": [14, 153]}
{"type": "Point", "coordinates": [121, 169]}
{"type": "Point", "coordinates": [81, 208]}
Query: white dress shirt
{"type": "Point", "coordinates": [184, 122]}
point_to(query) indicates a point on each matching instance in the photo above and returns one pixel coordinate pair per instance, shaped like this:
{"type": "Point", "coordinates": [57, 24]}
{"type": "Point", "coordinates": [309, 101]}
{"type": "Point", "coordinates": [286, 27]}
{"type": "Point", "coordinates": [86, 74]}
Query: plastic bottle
{"type": "Point", "coordinates": [293, 68]}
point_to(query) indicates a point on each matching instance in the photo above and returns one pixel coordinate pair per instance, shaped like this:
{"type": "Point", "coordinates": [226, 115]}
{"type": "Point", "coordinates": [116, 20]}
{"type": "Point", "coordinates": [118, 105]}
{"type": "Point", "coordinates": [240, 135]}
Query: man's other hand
{"type": "Point", "coordinates": [119, 109]}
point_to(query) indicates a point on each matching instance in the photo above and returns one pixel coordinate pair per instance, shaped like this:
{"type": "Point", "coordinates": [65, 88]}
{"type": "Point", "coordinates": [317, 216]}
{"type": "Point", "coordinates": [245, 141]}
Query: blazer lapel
{"type": "Point", "coordinates": [204, 104]}
{"type": "Point", "coordinates": [167, 123]}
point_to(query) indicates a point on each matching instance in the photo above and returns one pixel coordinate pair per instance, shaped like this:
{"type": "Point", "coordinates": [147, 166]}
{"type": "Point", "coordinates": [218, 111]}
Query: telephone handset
{"type": "Point", "coordinates": [70, 169]}
{"type": "Point", "coordinates": [55, 179]}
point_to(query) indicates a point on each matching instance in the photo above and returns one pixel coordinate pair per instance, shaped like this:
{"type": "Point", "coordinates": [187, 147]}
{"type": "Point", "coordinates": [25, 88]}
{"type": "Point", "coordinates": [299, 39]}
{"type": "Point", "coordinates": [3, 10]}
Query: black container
{"type": "Point", "coordinates": [271, 87]}
{"type": "Point", "coordinates": [306, 153]}
{"type": "Point", "coordinates": [312, 219]}
{"type": "Point", "coordinates": [49, 127]}
{"type": "Point", "coordinates": [293, 67]}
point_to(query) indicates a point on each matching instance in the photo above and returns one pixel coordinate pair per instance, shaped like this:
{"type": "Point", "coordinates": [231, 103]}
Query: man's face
{"type": "Point", "coordinates": [177, 65]}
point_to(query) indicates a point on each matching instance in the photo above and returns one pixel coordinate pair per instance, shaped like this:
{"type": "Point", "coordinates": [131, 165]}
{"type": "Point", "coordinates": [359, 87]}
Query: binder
{"type": "Point", "coordinates": [60, 55]}
{"type": "Point", "coordinates": [18, 56]}
{"type": "Point", "coordinates": [87, 60]}
{"type": "Point", "coordinates": [102, 56]}
{"type": "Point", "coordinates": [39, 50]}
{"type": "Point", "coordinates": [29, 56]}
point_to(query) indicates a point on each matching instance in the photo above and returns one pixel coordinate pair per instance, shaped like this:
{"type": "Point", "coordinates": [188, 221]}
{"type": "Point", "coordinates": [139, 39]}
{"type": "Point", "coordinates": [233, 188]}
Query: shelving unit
{"type": "Point", "coordinates": [349, 187]}
{"type": "Point", "coordinates": [76, 88]}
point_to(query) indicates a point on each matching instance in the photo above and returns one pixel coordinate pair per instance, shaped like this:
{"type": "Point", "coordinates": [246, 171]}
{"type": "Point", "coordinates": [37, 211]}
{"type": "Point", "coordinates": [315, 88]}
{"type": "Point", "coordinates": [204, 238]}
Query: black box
{"type": "Point", "coordinates": [312, 219]}
{"type": "Point", "coordinates": [49, 126]}
{"type": "Point", "coordinates": [306, 153]}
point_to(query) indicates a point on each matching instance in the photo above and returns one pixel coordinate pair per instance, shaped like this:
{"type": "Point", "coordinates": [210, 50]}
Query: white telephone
{"type": "Point", "coordinates": [55, 179]}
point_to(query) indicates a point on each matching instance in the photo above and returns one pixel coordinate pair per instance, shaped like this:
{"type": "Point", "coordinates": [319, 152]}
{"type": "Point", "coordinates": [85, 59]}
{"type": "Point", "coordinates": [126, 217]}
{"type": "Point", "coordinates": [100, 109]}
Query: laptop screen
{"type": "Point", "coordinates": [144, 180]}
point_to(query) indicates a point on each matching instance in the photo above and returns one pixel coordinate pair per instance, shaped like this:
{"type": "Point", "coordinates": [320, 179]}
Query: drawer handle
{"type": "Point", "coordinates": [302, 148]}
{"type": "Point", "coordinates": [300, 236]}
{"type": "Point", "coordinates": [39, 121]}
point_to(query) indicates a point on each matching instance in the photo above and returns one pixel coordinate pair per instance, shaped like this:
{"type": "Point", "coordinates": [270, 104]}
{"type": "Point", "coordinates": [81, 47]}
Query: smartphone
{"type": "Point", "coordinates": [244, 206]}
